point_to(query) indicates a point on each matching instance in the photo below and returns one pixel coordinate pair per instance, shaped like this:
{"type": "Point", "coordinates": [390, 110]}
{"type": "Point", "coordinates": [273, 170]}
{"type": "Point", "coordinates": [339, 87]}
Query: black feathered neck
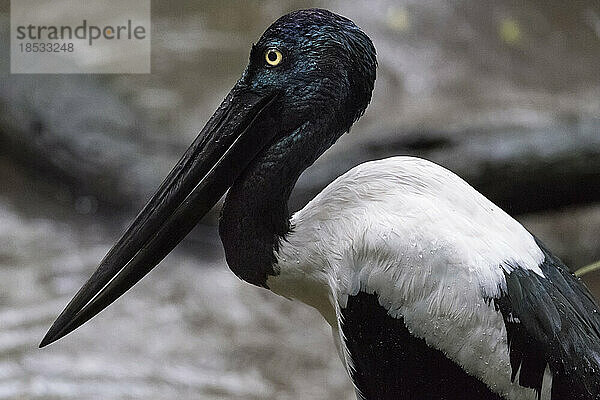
{"type": "Point", "coordinates": [324, 84]}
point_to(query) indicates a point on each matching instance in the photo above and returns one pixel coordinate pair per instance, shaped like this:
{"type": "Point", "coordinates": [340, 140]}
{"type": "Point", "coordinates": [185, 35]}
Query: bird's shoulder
{"type": "Point", "coordinates": [405, 215]}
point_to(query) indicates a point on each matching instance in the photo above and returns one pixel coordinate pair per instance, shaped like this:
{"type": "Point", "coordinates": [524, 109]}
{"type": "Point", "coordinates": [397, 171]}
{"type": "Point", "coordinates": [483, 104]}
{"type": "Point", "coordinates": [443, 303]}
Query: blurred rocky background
{"type": "Point", "coordinates": [505, 93]}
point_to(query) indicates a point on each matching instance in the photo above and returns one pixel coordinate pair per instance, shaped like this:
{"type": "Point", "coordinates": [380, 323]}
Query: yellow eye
{"type": "Point", "coordinates": [273, 57]}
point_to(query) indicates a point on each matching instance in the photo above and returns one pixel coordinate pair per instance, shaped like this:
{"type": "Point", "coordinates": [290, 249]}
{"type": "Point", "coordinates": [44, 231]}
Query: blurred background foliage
{"type": "Point", "coordinates": [505, 93]}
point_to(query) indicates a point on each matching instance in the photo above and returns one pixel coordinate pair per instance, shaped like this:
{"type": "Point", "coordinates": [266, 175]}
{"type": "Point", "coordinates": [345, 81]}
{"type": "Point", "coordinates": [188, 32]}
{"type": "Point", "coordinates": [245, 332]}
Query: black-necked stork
{"type": "Point", "coordinates": [432, 291]}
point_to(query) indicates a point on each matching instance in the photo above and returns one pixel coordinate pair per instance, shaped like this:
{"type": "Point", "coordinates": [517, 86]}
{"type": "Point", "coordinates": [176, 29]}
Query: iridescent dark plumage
{"type": "Point", "coordinates": [325, 81]}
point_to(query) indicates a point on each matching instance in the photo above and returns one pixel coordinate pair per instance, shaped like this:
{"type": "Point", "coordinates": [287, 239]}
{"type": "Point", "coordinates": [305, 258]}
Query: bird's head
{"type": "Point", "coordinates": [321, 65]}
{"type": "Point", "coordinates": [309, 65]}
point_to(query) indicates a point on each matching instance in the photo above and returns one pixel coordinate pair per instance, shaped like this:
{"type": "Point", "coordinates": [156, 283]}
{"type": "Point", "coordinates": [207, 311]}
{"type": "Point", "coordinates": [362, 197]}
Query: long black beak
{"type": "Point", "coordinates": [208, 168]}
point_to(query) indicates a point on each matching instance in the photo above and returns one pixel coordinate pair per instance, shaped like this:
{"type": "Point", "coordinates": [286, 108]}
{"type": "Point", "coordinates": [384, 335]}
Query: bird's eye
{"type": "Point", "coordinates": [273, 57]}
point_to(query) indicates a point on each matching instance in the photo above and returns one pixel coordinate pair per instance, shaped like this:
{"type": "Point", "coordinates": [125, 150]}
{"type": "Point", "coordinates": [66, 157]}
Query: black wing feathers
{"type": "Point", "coordinates": [391, 364]}
{"type": "Point", "coordinates": [552, 320]}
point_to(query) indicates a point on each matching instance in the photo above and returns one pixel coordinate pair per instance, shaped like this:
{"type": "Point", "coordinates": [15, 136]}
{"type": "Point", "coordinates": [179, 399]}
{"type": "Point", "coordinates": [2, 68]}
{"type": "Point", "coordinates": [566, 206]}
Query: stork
{"type": "Point", "coordinates": [431, 291]}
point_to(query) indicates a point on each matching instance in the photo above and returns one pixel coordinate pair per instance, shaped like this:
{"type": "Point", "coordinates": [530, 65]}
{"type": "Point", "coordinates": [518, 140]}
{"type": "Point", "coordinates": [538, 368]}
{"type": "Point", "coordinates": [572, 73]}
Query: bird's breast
{"type": "Point", "coordinates": [305, 281]}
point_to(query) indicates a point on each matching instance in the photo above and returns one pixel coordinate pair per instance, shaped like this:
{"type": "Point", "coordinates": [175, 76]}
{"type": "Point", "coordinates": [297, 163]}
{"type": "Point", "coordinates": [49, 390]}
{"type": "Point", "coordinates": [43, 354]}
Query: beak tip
{"type": "Point", "coordinates": [45, 342]}
{"type": "Point", "coordinates": [51, 336]}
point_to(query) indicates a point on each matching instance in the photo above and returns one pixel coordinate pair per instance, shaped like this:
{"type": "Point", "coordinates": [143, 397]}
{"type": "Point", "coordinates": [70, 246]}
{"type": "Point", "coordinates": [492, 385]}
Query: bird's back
{"type": "Point", "coordinates": [435, 255]}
